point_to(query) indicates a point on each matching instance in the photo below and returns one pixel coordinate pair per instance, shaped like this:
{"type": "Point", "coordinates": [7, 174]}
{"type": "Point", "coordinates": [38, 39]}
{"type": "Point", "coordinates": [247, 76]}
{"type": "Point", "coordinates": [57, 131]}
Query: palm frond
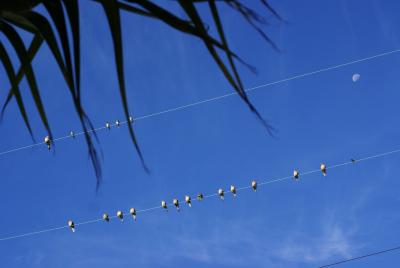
{"type": "Point", "coordinates": [56, 12]}
{"type": "Point", "coordinates": [242, 92]}
{"type": "Point", "coordinates": [5, 59]}
{"type": "Point", "coordinates": [114, 20]}
{"type": "Point", "coordinates": [253, 18]}
{"type": "Point", "coordinates": [72, 9]}
{"type": "Point", "coordinates": [16, 79]}
{"type": "Point", "coordinates": [43, 28]}
{"type": "Point", "coordinates": [184, 26]}
{"type": "Point", "coordinates": [19, 13]}
{"type": "Point", "coordinates": [22, 54]}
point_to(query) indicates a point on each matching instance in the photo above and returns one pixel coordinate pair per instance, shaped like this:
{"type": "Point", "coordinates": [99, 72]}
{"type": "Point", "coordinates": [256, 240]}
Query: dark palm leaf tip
{"type": "Point", "coordinates": [94, 158]}
{"type": "Point", "coordinates": [112, 11]}
{"type": "Point", "coordinates": [72, 9]}
{"type": "Point", "coordinates": [253, 18]}
{"type": "Point", "coordinates": [56, 12]}
{"type": "Point", "coordinates": [250, 14]}
{"type": "Point", "coordinates": [235, 82]}
{"type": "Point", "coordinates": [247, 12]}
{"type": "Point", "coordinates": [272, 10]}
{"type": "Point", "coordinates": [88, 130]}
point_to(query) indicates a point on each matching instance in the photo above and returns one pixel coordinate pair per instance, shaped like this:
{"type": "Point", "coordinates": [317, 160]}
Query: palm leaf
{"type": "Point", "coordinates": [191, 11]}
{"type": "Point", "coordinates": [72, 9]}
{"type": "Point", "coordinates": [19, 13]}
{"type": "Point", "coordinates": [15, 19]}
{"type": "Point", "coordinates": [44, 28]}
{"type": "Point", "coordinates": [242, 94]}
{"type": "Point", "coordinates": [73, 15]}
{"type": "Point", "coordinates": [113, 16]}
{"type": "Point", "coordinates": [18, 5]}
{"type": "Point", "coordinates": [33, 49]}
{"type": "Point", "coordinates": [251, 17]}
{"type": "Point", "coordinates": [131, 9]}
{"type": "Point", "coordinates": [57, 15]}
{"type": "Point", "coordinates": [22, 54]}
{"type": "Point", "coordinates": [272, 10]}
{"type": "Point", "coordinates": [14, 85]}
{"type": "Point", "coordinates": [184, 26]}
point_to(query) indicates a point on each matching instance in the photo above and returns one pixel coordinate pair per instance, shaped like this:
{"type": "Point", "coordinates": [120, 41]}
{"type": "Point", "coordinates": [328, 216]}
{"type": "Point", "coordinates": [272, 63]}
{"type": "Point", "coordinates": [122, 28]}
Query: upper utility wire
{"type": "Point", "coordinates": [118, 123]}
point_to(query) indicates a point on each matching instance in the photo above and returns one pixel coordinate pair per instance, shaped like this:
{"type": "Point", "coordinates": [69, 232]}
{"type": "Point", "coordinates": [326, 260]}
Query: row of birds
{"type": "Point", "coordinates": [175, 201]}
{"type": "Point", "coordinates": [48, 141]}
{"type": "Point", "coordinates": [188, 200]}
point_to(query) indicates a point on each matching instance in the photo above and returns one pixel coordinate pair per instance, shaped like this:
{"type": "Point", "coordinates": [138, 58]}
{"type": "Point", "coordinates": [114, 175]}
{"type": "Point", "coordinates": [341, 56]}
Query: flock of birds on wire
{"type": "Point", "coordinates": [188, 199]}
{"type": "Point", "coordinates": [233, 190]}
{"type": "Point", "coordinates": [175, 201]}
{"type": "Point", "coordinates": [48, 141]}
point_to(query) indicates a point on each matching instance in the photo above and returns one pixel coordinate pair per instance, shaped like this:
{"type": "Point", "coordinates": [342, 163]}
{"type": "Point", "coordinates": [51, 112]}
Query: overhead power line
{"type": "Point", "coordinates": [361, 257]}
{"type": "Point", "coordinates": [325, 169]}
{"type": "Point", "coordinates": [333, 67]}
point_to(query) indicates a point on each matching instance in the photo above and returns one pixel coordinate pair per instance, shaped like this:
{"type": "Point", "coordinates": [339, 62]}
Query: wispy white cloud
{"type": "Point", "coordinates": [34, 257]}
{"type": "Point", "coordinates": [334, 241]}
{"type": "Point", "coordinates": [244, 243]}
{"type": "Point", "coordinates": [235, 242]}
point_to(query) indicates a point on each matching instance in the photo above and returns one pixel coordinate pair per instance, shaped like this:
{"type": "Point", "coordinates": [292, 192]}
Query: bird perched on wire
{"type": "Point", "coordinates": [132, 211]}
{"type": "Point", "coordinates": [221, 194]}
{"type": "Point", "coordinates": [254, 185]}
{"type": "Point", "coordinates": [295, 174]}
{"type": "Point", "coordinates": [188, 200]}
{"type": "Point", "coordinates": [176, 203]}
{"type": "Point", "coordinates": [164, 205]}
{"type": "Point", "coordinates": [233, 190]}
{"type": "Point", "coordinates": [47, 140]}
{"type": "Point", "coordinates": [120, 215]}
{"type": "Point", "coordinates": [71, 225]}
{"type": "Point", "coordinates": [323, 169]}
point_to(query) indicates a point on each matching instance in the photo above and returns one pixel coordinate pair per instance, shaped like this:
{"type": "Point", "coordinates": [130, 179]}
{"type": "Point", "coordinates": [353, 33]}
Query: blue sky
{"type": "Point", "coordinates": [322, 118]}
